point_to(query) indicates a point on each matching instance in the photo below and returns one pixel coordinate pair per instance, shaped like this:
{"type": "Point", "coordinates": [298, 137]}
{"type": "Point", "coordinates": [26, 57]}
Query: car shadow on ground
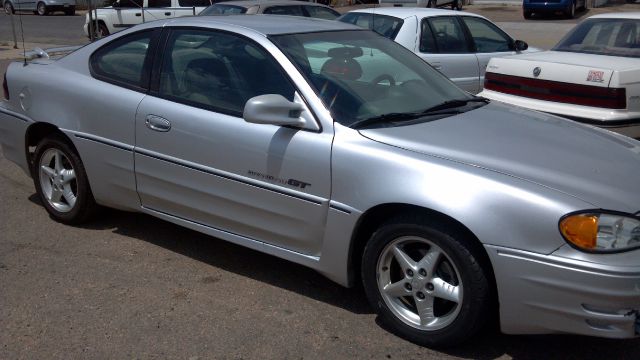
{"type": "Point", "coordinates": [579, 16]}
{"type": "Point", "coordinates": [489, 344]}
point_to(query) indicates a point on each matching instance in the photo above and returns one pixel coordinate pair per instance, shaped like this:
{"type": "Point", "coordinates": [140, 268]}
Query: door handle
{"type": "Point", "coordinates": [138, 14]}
{"type": "Point", "coordinates": [157, 123]}
{"type": "Point", "coordinates": [437, 66]}
{"type": "Point", "coordinates": [168, 13]}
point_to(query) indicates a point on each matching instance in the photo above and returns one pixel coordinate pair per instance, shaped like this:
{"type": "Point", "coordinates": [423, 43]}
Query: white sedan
{"type": "Point", "coordinates": [458, 44]}
{"type": "Point", "coordinates": [592, 75]}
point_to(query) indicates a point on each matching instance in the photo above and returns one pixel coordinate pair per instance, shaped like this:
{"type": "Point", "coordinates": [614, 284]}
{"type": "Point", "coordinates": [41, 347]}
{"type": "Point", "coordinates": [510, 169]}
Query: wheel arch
{"type": "Point", "coordinates": [371, 219]}
{"type": "Point", "coordinates": [38, 131]}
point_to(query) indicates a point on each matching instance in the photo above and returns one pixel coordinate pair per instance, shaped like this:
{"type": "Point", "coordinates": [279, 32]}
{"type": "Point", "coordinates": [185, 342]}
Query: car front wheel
{"type": "Point", "coordinates": [570, 13]}
{"type": "Point", "coordinates": [431, 3]}
{"type": "Point", "coordinates": [427, 285]}
{"type": "Point", "coordinates": [456, 5]}
{"type": "Point", "coordinates": [41, 8]}
{"type": "Point", "coordinates": [61, 181]}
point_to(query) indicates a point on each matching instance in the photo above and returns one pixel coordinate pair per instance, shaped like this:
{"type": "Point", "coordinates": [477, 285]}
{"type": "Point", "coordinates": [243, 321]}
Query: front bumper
{"type": "Point", "coordinates": [564, 293]}
{"type": "Point", "coordinates": [621, 121]}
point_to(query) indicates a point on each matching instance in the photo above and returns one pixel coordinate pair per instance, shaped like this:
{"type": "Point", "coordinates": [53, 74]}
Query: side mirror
{"type": "Point", "coordinates": [521, 45]}
{"type": "Point", "coordinates": [273, 109]}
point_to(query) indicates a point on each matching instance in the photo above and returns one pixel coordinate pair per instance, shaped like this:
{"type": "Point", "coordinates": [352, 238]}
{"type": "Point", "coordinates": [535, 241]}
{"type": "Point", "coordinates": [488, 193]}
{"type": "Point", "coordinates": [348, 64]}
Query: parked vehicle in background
{"type": "Point", "coordinates": [126, 13]}
{"type": "Point", "coordinates": [40, 7]}
{"type": "Point", "coordinates": [455, 4]}
{"type": "Point", "coordinates": [592, 75]}
{"type": "Point", "coordinates": [272, 7]}
{"type": "Point", "coordinates": [567, 8]}
{"type": "Point", "coordinates": [334, 147]}
{"type": "Point", "coordinates": [458, 44]}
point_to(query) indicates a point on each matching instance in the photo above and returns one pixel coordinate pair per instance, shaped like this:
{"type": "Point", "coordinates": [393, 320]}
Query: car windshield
{"type": "Point", "coordinates": [221, 9]}
{"type": "Point", "coordinates": [613, 37]}
{"type": "Point", "coordinates": [387, 26]}
{"type": "Point", "coordinates": [360, 75]}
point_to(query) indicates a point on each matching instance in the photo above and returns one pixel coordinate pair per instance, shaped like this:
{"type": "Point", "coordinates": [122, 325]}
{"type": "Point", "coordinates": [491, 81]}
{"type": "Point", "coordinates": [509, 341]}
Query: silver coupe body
{"type": "Point", "coordinates": [333, 147]}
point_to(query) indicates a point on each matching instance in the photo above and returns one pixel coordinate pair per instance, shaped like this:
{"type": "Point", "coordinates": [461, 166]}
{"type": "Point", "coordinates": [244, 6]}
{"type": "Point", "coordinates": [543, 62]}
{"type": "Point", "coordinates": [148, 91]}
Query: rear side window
{"type": "Point", "coordinates": [220, 9]}
{"type": "Point", "coordinates": [125, 61]}
{"type": "Point", "coordinates": [159, 3]}
{"type": "Point", "coordinates": [284, 10]}
{"type": "Point", "coordinates": [387, 26]}
{"type": "Point", "coordinates": [191, 3]}
{"type": "Point", "coordinates": [427, 41]}
{"type": "Point", "coordinates": [320, 12]}
{"type": "Point", "coordinates": [130, 3]}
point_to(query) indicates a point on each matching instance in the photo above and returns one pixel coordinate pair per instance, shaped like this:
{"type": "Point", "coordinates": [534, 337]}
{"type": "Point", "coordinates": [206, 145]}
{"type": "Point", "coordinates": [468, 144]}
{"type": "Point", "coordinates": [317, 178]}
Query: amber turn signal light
{"type": "Point", "coordinates": [581, 230]}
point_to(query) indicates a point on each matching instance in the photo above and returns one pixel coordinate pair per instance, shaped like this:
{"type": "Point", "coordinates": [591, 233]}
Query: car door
{"type": "Point", "coordinates": [189, 7]}
{"type": "Point", "coordinates": [443, 43]}
{"type": "Point", "coordinates": [488, 40]}
{"type": "Point", "coordinates": [198, 160]}
{"type": "Point", "coordinates": [127, 13]}
{"type": "Point", "coordinates": [24, 4]}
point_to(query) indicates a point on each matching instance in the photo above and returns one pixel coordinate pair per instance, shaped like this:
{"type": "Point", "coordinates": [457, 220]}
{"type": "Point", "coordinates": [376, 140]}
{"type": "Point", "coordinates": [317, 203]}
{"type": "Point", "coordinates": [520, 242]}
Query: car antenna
{"type": "Point", "coordinates": [24, 51]}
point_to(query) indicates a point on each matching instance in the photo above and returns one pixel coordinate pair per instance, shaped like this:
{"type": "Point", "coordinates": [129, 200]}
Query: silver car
{"type": "Point", "coordinates": [272, 7]}
{"type": "Point", "coordinates": [40, 7]}
{"type": "Point", "coordinates": [336, 148]}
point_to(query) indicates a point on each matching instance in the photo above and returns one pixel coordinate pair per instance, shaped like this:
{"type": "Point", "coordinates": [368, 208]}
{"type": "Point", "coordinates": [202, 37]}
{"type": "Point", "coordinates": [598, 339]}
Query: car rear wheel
{"type": "Point", "coordinates": [8, 8]}
{"type": "Point", "coordinates": [456, 5]}
{"type": "Point", "coordinates": [71, 11]}
{"type": "Point", "coordinates": [426, 284]}
{"type": "Point", "coordinates": [432, 3]}
{"type": "Point", "coordinates": [61, 181]}
{"type": "Point", "coordinates": [41, 8]}
{"type": "Point", "coordinates": [526, 14]}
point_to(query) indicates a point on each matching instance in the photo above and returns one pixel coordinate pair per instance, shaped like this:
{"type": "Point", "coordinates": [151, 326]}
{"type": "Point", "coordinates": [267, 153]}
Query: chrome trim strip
{"type": "Point", "coordinates": [248, 239]}
{"type": "Point", "coordinates": [103, 141]}
{"type": "Point", "coordinates": [15, 114]}
{"type": "Point", "coordinates": [227, 176]}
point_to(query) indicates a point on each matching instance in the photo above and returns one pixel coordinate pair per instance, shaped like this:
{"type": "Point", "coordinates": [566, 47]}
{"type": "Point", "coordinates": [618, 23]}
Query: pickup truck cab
{"type": "Point", "coordinates": [126, 13]}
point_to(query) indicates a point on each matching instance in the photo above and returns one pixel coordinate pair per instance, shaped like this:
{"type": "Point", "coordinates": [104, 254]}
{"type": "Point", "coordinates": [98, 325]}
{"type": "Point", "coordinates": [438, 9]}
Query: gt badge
{"type": "Point", "coordinates": [595, 76]}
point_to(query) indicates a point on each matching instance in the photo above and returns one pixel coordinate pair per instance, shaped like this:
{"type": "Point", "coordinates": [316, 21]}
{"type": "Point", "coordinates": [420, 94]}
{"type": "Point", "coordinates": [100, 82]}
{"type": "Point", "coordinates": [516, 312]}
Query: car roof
{"type": "Point", "coordinates": [405, 12]}
{"type": "Point", "coordinates": [625, 15]}
{"type": "Point", "coordinates": [263, 24]}
{"type": "Point", "coordinates": [250, 3]}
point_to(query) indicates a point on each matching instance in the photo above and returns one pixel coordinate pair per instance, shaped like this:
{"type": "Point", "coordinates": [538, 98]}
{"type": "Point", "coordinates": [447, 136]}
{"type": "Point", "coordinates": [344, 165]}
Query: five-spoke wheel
{"type": "Point", "coordinates": [427, 281]}
{"type": "Point", "coordinates": [61, 181]}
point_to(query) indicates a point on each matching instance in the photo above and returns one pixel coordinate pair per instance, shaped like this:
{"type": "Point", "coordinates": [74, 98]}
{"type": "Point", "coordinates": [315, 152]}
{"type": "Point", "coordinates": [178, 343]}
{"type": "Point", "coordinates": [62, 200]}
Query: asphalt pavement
{"type": "Point", "coordinates": [131, 286]}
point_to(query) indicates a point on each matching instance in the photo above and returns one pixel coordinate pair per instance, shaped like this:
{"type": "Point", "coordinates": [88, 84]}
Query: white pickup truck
{"type": "Point", "coordinates": [126, 13]}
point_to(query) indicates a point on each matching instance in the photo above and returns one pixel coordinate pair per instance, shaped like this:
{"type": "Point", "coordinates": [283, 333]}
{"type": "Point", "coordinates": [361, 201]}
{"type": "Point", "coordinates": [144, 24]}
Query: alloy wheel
{"type": "Point", "coordinates": [419, 283]}
{"type": "Point", "coordinates": [58, 180]}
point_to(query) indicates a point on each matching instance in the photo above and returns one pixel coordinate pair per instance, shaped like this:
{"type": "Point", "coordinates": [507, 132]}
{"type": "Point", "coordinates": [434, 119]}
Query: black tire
{"type": "Point", "coordinates": [432, 3]}
{"type": "Point", "coordinates": [71, 11]}
{"type": "Point", "coordinates": [41, 9]}
{"type": "Point", "coordinates": [570, 13]}
{"type": "Point", "coordinates": [8, 8]}
{"type": "Point", "coordinates": [456, 5]}
{"type": "Point", "coordinates": [526, 14]}
{"type": "Point", "coordinates": [84, 206]}
{"type": "Point", "coordinates": [102, 31]}
{"type": "Point", "coordinates": [461, 254]}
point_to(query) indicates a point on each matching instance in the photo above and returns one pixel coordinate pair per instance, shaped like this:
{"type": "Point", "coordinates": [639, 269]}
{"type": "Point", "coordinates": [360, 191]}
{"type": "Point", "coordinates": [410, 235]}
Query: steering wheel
{"type": "Point", "coordinates": [383, 77]}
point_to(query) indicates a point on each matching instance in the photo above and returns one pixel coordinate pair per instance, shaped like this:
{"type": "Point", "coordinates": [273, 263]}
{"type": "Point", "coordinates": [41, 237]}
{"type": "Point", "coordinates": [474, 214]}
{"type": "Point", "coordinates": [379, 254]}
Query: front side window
{"type": "Point", "coordinates": [614, 37]}
{"type": "Point", "coordinates": [218, 71]}
{"type": "Point", "coordinates": [320, 12]}
{"type": "Point", "coordinates": [130, 3]}
{"type": "Point", "coordinates": [221, 9]}
{"type": "Point", "coordinates": [360, 75]}
{"type": "Point", "coordinates": [387, 26]}
{"type": "Point", "coordinates": [124, 61]}
{"type": "Point", "coordinates": [284, 10]}
{"type": "Point", "coordinates": [486, 36]}
{"type": "Point", "coordinates": [449, 35]}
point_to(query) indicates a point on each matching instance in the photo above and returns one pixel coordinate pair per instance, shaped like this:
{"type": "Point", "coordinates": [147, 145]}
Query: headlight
{"type": "Point", "coordinates": [601, 232]}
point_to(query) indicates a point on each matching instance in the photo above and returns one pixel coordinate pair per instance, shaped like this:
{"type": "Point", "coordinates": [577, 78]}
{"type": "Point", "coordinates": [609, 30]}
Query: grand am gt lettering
{"type": "Point", "coordinates": [443, 205]}
{"type": "Point", "coordinates": [275, 179]}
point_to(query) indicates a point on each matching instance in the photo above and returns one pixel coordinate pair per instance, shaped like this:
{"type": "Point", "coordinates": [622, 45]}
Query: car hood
{"type": "Point", "coordinates": [597, 166]}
